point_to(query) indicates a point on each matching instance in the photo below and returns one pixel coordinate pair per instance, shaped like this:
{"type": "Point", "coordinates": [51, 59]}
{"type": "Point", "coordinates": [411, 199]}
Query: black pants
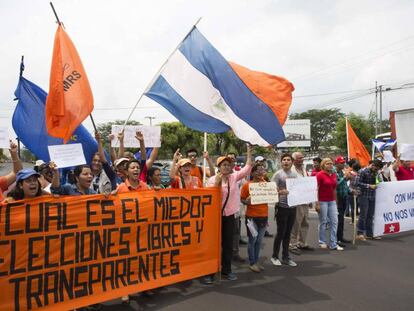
{"type": "Point", "coordinates": [236, 236]}
{"type": "Point", "coordinates": [342, 203]}
{"type": "Point", "coordinates": [285, 218]}
{"type": "Point", "coordinates": [227, 233]}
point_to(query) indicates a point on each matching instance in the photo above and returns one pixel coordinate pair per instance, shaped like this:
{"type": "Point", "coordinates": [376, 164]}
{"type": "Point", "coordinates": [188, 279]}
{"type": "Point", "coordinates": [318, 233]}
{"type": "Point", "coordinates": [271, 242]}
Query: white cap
{"type": "Point", "coordinates": [259, 159]}
{"type": "Point", "coordinates": [39, 162]}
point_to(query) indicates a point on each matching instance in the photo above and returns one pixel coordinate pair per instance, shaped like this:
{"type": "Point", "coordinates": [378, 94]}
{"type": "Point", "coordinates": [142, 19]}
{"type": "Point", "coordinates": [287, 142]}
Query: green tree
{"type": "Point", "coordinates": [323, 125]}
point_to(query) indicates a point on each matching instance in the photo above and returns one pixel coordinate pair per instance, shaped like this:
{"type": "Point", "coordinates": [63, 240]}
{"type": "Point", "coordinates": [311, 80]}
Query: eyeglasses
{"type": "Point", "coordinates": [192, 155]}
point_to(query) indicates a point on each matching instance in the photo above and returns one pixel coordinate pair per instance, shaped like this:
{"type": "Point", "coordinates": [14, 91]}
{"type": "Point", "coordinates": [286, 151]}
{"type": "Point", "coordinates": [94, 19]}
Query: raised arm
{"type": "Point", "coordinates": [212, 172]}
{"type": "Point", "coordinates": [56, 176]}
{"type": "Point", "coordinates": [121, 144]}
{"type": "Point", "coordinates": [176, 158]}
{"type": "Point", "coordinates": [249, 160]}
{"type": "Point", "coordinates": [397, 163]}
{"type": "Point", "coordinates": [17, 164]}
{"type": "Point", "coordinates": [140, 137]}
{"type": "Point", "coordinates": [153, 157]}
{"type": "Point", "coordinates": [112, 151]}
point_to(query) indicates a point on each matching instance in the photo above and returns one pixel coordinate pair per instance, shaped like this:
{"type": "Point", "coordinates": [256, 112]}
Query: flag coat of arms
{"type": "Point", "coordinates": [207, 93]}
{"type": "Point", "coordinates": [70, 98]}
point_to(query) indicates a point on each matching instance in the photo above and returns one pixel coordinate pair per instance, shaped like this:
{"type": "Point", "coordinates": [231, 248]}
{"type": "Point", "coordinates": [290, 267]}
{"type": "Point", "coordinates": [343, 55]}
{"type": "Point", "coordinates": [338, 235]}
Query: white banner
{"type": "Point", "coordinates": [263, 192]}
{"type": "Point", "coordinates": [152, 135]}
{"type": "Point", "coordinates": [4, 137]}
{"type": "Point", "coordinates": [297, 133]}
{"type": "Point", "coordinates": [67, 155]}
{"type": "Point", "coordinates": [407, 152]}
{"type": "Point", "coordinates": [394, 207]}
{"type": "Point", "coordinates": [302, 190]}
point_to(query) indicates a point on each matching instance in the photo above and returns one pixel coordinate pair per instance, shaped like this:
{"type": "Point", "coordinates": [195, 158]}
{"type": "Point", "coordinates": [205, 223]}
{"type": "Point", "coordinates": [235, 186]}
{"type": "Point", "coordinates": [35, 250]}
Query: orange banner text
{"type": "Point", "coordinates": [69, 252]}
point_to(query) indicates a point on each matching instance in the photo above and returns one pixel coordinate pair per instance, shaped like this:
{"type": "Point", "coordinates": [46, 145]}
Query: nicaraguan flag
{"type": "Point", "coordinates": [382, 145]}
{"type": "Point", "coordinates": [207, 93]}
{"type": "Point", "coordinates": [29, 123]}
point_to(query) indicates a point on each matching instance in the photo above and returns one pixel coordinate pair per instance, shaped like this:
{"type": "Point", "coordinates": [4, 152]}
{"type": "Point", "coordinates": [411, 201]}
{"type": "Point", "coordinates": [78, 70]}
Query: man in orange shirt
{"type": "Point", "coordinates": [196, 170]}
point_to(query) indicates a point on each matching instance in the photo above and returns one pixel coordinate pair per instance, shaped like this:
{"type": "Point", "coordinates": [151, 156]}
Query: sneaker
{"type": "Point", "coordinates": [323, 246]}
{"type": "Point", "coordinates": [275, 261]}
{"type": "Point", "coordinates": [229, 276]}
{"type": "Point", "coordinates": [254, 268]}
{"type": "Point", "coordinates": [268, 234]}
{"type": "Point", "coordinates": [208, 280]}
{"type": "Point", "coordinates": [345, 241]}
{"type": "Point", "coordinates": [260, 267]}
{"type": "Point", "coordinates": [289, 262]}
{"type": "Point", "coordinates": [337, 248]}
{"type": "Point", "coordinates": [295, 250]}
{"type": "Point", "coordinates": [341, 244]}
{"type": "Point", "coordinates": [377, 238]}
{"type": "Point", "coordinates": [361, 237]}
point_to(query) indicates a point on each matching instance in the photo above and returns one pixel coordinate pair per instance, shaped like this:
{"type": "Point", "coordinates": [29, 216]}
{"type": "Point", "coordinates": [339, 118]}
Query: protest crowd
{"type": "Point", "coordinates": [339, 182]}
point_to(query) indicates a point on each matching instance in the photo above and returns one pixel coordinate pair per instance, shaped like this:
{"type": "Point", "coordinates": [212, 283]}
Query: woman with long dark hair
{"type": "Point", "coordinates": [27, 186]}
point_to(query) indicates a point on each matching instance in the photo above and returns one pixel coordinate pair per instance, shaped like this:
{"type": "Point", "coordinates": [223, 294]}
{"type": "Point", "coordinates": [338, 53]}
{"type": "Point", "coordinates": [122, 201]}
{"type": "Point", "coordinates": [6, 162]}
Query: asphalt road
{"type": "Point", "coordinates": [372, 275]}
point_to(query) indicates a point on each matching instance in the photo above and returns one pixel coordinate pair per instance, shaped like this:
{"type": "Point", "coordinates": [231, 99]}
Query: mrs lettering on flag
{"type": "Point", "coordinates": [70, 98]}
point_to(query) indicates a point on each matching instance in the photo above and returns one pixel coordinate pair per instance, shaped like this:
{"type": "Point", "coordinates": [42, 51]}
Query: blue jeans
{"type": "Point", "coordinates": [254, 243]}
{"type": "Point", "coordinates": [328, 214]}
{"type": "Point", "coordinates": [366, 215]}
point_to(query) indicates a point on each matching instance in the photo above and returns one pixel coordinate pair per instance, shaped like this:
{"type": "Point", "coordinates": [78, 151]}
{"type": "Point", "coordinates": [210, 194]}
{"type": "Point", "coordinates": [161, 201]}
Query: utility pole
{"type": "Point", "coordinates": [150, 119]}
{"type": "Point", "coordinates": [380, 109]}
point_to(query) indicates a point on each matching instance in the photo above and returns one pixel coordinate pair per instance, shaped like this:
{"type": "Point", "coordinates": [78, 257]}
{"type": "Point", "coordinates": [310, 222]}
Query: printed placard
{"type": "Point", "coordinates": [302, 190]}
{"type": "Point", "coordinates": [152, 135]}
{"type": "Point", "coordinates": [67, 155]}
{"type": "Point", "coordinates": [263, 192]}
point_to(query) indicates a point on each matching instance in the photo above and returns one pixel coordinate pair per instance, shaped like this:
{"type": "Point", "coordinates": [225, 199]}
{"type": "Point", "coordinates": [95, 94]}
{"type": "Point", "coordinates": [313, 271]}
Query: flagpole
{"type": "Point", "coordinates": [60, 23]}
{"type": "Point", "coordinates": [204, 160]}
{"type": "Point", "coordinates": [347, 137]}
{"type": "Point", "coordinates": [159, 71]}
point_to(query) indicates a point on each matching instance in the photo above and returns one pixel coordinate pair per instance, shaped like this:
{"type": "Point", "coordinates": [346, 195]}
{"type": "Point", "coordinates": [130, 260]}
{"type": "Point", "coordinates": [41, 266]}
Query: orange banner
{"type": "Point", "coordinates": [68, 252]}
{"type": "Point", "coordinates": [70, 98]}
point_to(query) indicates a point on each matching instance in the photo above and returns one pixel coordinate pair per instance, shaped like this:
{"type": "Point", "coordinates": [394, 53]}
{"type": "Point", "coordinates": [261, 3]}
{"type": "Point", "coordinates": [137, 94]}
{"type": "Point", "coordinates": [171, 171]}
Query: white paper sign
{"type": "Point", "coordinates": [388, 157]}
{"type": "Point", "coordinates": [302, 190]}
{"type": "Point", "coordinates": [4, 137]}
{"type": "Point", "coordinates": [394, 207]}
{"type": "Point", "coordinates": [407, 152]}
{"type": "Point", "coordinates": [263, 192]}
{"type": "Point", "coordinates": [152, 135]}
{"type": "Point", "coordinates": [67, 155]}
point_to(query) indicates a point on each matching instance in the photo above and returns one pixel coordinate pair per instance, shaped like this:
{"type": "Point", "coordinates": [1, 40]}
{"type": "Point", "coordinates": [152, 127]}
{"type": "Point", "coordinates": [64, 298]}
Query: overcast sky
{"type": "Point", "coordinates": [320, 46]}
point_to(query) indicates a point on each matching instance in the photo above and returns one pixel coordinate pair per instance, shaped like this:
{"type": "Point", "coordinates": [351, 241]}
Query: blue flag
{"type": "Point", "coordinates": [29, 124]}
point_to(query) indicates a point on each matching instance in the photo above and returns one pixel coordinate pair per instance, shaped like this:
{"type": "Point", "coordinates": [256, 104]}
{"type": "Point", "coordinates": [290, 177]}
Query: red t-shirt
{"type": "Point", "coordinates": [326, 186]}
{"type": "Point", "coordinates": [3, 187]}
{"type": "Point", "coordinates": [404, 173]}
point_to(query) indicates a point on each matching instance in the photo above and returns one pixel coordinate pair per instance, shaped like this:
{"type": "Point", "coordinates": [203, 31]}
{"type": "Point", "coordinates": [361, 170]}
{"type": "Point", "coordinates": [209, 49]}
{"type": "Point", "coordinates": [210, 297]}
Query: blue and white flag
{"type": "Point", "coordinates": [382, 145]}
{"type": "Point", "coordinates": [29, 124]}
{"type": "Point", "coordinates": [204, 92]}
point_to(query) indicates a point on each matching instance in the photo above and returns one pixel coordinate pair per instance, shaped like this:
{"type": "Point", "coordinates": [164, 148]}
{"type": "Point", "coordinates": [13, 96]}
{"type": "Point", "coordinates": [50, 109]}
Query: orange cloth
{"type": "Point", "coordinates": [197, 171]}
{"type": "Point", "coordinates": [194, 184]}
{"type": "Point", "coordinates": [3, 186]}
{"type": "Point", "coordinates": [256, 210]}
{"type": "Point", "coordinates": [70, 98]}
{"type": "Point", "coordinates": [356, 148]}
{"type": "Point", "coordinates": [276, 92]}
{"type": "Point", "coordinates": [126, 187]}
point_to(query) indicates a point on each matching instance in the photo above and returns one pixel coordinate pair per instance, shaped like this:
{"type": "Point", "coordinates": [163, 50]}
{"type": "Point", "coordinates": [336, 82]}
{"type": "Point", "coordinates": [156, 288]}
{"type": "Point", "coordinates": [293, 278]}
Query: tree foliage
{"type": "Point", "coordinates": [323, 125]}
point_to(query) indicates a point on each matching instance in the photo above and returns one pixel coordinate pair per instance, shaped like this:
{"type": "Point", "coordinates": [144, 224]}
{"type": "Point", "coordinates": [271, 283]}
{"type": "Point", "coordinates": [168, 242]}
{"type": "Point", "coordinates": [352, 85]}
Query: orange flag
{"type": "Point", "coordinates": [70, 98]}
{"type": "Point", "coordinates": [275, 91]}
{"type": "Point", "coordinates": [356, 148]}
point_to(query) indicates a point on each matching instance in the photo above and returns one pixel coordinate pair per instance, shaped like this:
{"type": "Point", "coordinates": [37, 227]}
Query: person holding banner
{"type": "Point", "coordinates": [27, 186]}
{"type": "Point", "coordinates": [326, 206]}
{"type": "Point", "coordinates": [132, 182]}
{"type": "Point", "coordinates": [256, 218]}
{"type": "Point", "coordinates": [7, 180]}
{"type": "Point", "coordinates": [184, 179]}
{"type": "Point", "coordinates": [228, 181]}
{"type": "Point", "coordinates": [154, 179]}
{"type": "Point", "coordinates": [285, 214]}
{"type": "Point", "coordinates": [82, 181]}
{"type": "Point", "coordinates": [367, 184]}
